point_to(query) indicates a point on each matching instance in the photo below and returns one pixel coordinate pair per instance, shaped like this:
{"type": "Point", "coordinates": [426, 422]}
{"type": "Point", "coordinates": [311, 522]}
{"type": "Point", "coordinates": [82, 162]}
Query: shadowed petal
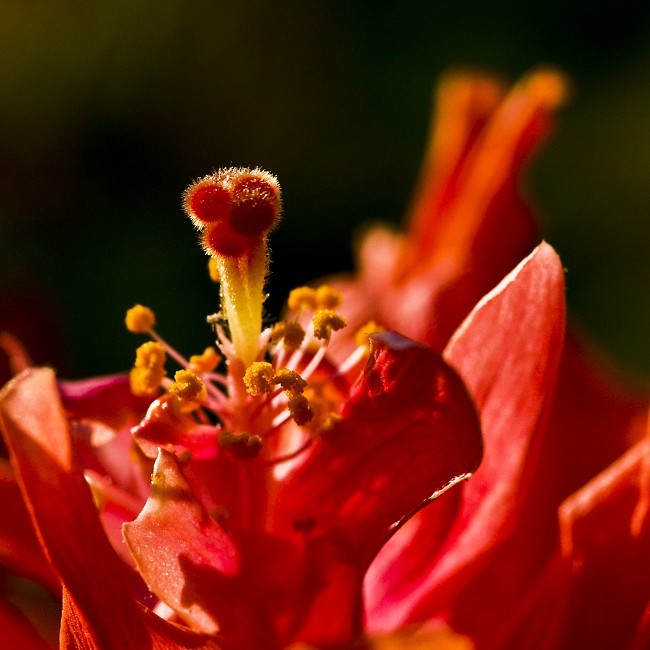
{"type": "Point", "coordinates": [605, 530]}
{"type": "Point", "coordinates": [409, 431]}
{"type": "Point", "coordinates": [595, 592]}
{"type": "Point", "coordinates": [184, 556]}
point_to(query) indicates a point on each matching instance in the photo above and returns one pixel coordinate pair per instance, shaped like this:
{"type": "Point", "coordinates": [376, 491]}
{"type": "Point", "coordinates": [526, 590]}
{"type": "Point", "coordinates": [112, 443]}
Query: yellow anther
{"type": "Point", "coordinates": [362, 337]}
{"type": "Point", "coordinates": [325, 321]}
{"type": "Point", "coordinates": [292, 333]}
{"type": "Point", "coordinates": [300, 410]}
{"type": "Point", "coordinates": [150, 355]}
{"type": "Point", "coordinates": [328, 298]}
{"type": "Point", "coordinates": [149, 370]}
{"type": "Point", "coordinates": [213, 270]}
{"type": "Point", "coordinates": [292, 383]}
{"type": "Point", "coordinates": [258, 378]}
{"type": "Point", "coordinates": [205, 362]}
{"type": "Point", "coordinates": [240, 445]}
{"type": "Point", "coordinates": [302, 298]}
{"type": "Point", "coordinates": [188, 387]}
{"type": "Point", "coordinates": [327, 422]}
{"type": "Point", "coordinates": [139, 319]}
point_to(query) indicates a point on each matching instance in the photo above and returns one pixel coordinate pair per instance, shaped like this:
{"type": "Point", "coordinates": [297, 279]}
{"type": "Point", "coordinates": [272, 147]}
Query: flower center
{"type": "Point", "coordinates": [271, 375]}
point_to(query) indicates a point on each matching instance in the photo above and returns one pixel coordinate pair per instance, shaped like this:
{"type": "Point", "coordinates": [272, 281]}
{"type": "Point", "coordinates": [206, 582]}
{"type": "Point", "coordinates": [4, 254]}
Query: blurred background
{"type": "Point", "coordinates": [109, 109]}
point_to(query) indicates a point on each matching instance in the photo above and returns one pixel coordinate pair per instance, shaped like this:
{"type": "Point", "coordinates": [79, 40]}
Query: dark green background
{"type": "Point", "coordinates": [108, 109]}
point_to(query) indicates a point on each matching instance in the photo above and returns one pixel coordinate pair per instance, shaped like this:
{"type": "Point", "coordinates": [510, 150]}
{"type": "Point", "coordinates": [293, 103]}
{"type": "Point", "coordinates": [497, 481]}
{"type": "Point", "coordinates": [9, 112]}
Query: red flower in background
{"type": "Point", "coordinates": [276, 485]}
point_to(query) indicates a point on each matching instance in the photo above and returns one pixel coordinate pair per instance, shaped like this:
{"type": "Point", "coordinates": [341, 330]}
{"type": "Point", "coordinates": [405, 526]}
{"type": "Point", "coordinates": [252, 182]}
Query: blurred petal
{"type": "Point", "coordinates": [105, 399]}
{"type": "Point", "coordinates": [20, 550]}
{"type": "Point", "coordinates": [62, 510]}
{"type": "Point", "coordinates": [17, 631]}
{"type": "Point", "coordinates": [468, 225]}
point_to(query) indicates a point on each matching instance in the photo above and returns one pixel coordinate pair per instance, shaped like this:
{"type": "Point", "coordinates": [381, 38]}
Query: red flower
{"type": "Point", "coordinates": [466, 221]}
{"type": "Point", "coordinates": [276, 484]}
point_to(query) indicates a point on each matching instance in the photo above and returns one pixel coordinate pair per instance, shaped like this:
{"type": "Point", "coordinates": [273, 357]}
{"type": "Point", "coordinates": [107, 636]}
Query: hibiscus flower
{"type": "Point", "coordinates": [283, 463]}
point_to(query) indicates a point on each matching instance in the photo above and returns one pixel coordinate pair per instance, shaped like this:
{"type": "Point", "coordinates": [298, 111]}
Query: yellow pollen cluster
{"type": "Point", "coordinates": [139, 319]}
{"type": "Point", "coordinates": [328, 298]}
{"type": "Point", "coordinates": [292, 383]}
{"type": "Point", "coordinates": [302, 298]}
{"type": "Point", "coordinates": [300, 410]}
{"type": "Point", "coordinates": [258, 378]}
{"type": "Point", "coordinates": [292, 333]}
{"type": "Point", "coordinates": [326, 321]}
{"type": "Point", "coordinates": [363, 334]}
{"type": "Point", "coordinates": [261, 378]}
{"type": "Point", "coordinates": [149, 370]}
{"type": "Point", "coordinates": [312, 299]}
{"type": "Point", "coordinates": [188, 387]}
{"type": "Point", "coordinates": [205, 362]}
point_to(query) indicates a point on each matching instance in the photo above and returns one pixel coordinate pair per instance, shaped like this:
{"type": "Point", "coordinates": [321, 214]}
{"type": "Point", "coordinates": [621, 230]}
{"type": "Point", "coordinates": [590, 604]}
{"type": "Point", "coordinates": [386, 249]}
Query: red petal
{"type": "Point", "coordinates": [163, 427]}
{"type": "Point", "coordinates": [409, 432]}
{"type": "Point", "coordinates": [479, 145]}
{"type": "Point", "coordinates": [62, 509]}
{"type": "Point", "coordinates": [184, 556]}
{"type": "Point", "coordinates": [19, 358]}
{"type": "Point", "coordinates": [508, 352]}
{"type": "Point", "coordinates": [105, 399]}
{"type": "Point", "coordinates": [163, 634]}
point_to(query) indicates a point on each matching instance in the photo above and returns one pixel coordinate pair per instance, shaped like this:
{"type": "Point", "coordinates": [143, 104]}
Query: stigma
{"type": "Point", "coordinates": [254, 381]}
{"type": "Point", "coordinates": [234, 209]}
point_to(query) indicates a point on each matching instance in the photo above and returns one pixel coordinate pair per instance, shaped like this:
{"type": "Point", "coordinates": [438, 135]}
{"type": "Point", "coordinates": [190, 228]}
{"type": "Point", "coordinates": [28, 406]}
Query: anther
{"type": "Point", "coordinates": [205, 362]}
{"type": "Point", "coordinates": [292, 383]}
{"type": "Point", "coordinates": [240, 445]}
{"type": "Point", "coordinates": [139, 319]}
{"type": "Point", "coordinates": [300, 410]}
{"type": "Point", "coordinates": [363, 334]}
{"type": "Point", "coordinates": [328, 298]}
{"type": "Point", "coordinates": [302, 298]}
{"type": "Point", "coordinates": [325, 322]}
{"type": "Point", "coordinates": [188, 387]}
{"type": "Point", "coordinates": [258, 378]}
{"type": "Point", "coordinates": [290, 331]}
{"type": "Point", "coordinates": [148, 373]}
